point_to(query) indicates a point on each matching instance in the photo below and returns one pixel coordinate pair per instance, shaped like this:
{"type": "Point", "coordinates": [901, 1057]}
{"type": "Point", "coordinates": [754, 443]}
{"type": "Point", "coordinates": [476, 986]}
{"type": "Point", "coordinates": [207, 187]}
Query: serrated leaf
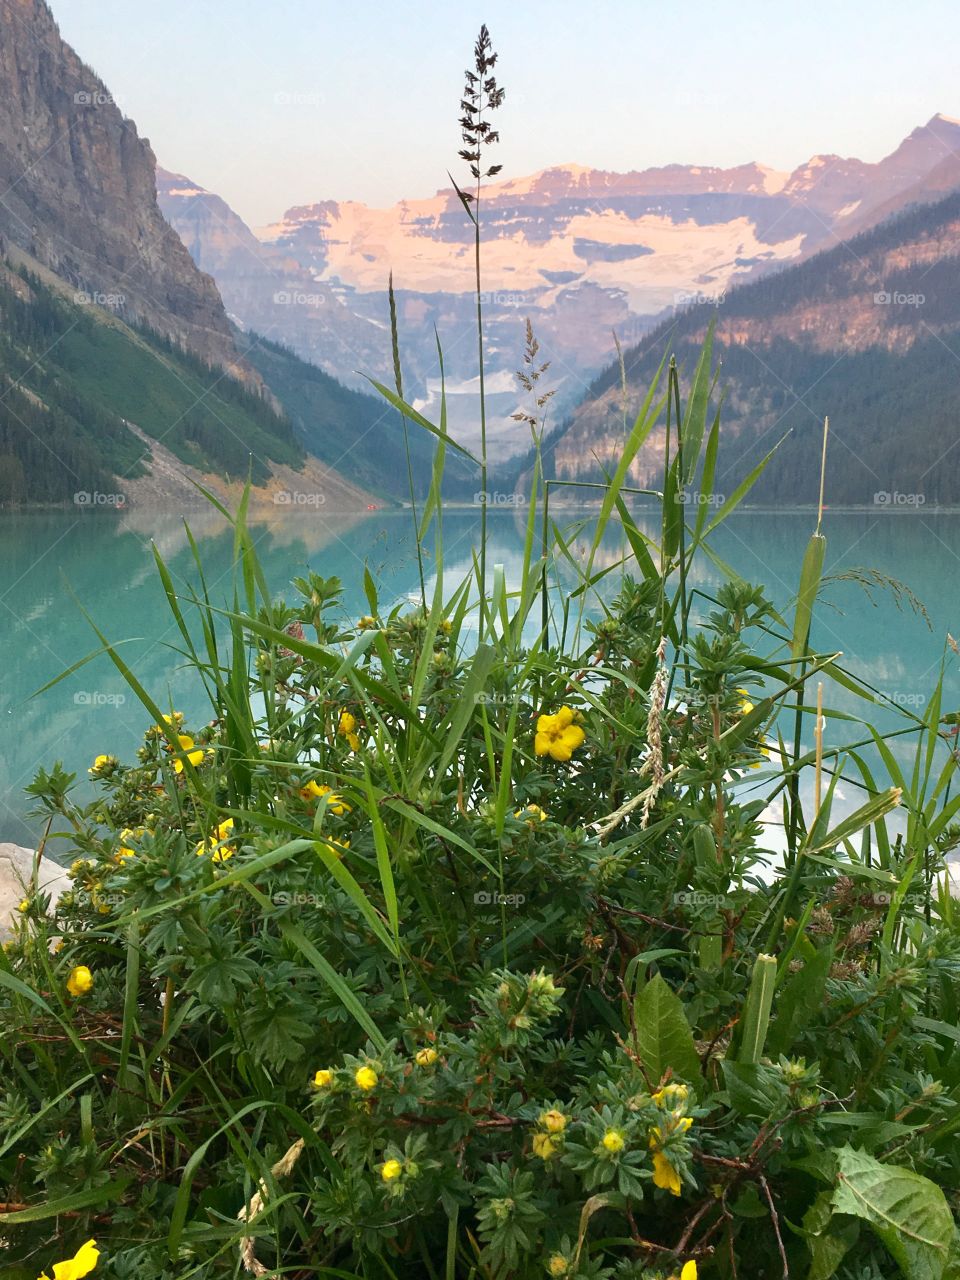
{"type": "Point", "coordinates": [908, 1212]}
{"type": "Point", "coordinates": [664, 1038]}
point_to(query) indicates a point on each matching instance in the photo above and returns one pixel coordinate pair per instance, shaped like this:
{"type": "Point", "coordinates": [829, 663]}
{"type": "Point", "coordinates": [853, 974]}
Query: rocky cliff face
{"type": "Point", "coordinates": [79, 194]}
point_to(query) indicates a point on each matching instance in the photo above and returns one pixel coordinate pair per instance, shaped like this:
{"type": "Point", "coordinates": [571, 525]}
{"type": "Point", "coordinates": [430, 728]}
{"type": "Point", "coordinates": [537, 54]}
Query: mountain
{"type": "Point", "coordinates": [120, 373]}
{"type": "Point", "coordinates": [360, 436]}
{"type": "Point", "coordinates": [867, 333]}
{"type": "Point", "coordinates": [268, 291]}
{"type": "Point", "coordinates": [79, 195]}
{"type": "Point", "coordinates": [87, 401]}
{"type": "Point", "coordinates": [581, 251]}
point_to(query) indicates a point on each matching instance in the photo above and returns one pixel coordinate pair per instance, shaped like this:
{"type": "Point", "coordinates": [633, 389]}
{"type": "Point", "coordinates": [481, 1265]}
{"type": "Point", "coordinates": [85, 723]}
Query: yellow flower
{"type": "Point", "coordinates": [346, 728]}
{"type": "Point", "coordinates": [316, 791]}
{"type": "Point", "coordinates": [426, 1057]}
{"type": "Point", "coordinates": [366, 1078]}
{"type": "Point", "coordinates": [24, 906]}
{"type": "Point", "coordinates": [187, 746]}
{"type": "Point", "coordinates": [336, 847]}
{"type": "Point", "coordinates": [391, 1170]}
{"type": "Point", "coordinates": [746, 706]}
{"type": "Point", "coordinates": [544, 1146]}
{"type": "Point", "coordinates": [80, 981]}
{"type": "Point", "coordinates": [323, 1079]}
{"type": "Point", "coordinates": [553, 1121]}
{"type": "Point", "coordinates": [215, 843]}
{"type": "Point", "coordinates": [613, 1141]}
{"type": "Point", "coordinates": [664, 1174]}
{"type": "Point", "coordinates": [531, 814]}
{"type": "Point", "coordinates": [558, 1265]}
{"type": "Point", "coordinates": [81, 1264]}
{"type": "Point", "coordinates": [557, 735]}
{"type": "Point", "coordinates": [671, 1095]}
{"type": "Point", "coordinates": [689, 1271]}
{"type": "Point", "coordinates": [126, 835]}
{"type": "Point", "coordinates": [101, 763]}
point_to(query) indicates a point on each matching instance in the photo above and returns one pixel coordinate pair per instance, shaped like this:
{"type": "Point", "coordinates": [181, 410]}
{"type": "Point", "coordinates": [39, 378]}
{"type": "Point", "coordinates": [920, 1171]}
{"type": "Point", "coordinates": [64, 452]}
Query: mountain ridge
{"type": "Point", "coordinates": [582, 252]}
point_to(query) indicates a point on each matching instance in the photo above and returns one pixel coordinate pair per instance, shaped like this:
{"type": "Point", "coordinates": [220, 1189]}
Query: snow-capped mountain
{"type": "Point", "coordinates": [581, 251]}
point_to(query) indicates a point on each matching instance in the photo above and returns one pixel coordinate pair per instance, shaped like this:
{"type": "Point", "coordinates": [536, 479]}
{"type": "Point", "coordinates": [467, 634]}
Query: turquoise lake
{"type": "Point", "coordinates": [50, 561]}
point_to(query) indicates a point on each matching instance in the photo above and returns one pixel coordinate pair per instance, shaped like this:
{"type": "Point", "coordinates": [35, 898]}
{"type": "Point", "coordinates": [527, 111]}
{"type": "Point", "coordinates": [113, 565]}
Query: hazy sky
{"type": "Point", "coordinates": [292, 101]}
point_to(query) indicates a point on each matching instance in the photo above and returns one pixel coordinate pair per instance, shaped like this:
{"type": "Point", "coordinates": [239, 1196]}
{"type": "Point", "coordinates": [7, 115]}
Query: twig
{"type": "Point", "coordinates": [776, 1227]}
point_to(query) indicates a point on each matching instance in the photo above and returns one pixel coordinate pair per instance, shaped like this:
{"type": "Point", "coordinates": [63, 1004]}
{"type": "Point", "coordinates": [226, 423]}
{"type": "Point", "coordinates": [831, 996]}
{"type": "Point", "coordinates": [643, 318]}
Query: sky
{"type": "Point", "coordinates": [276, 104]}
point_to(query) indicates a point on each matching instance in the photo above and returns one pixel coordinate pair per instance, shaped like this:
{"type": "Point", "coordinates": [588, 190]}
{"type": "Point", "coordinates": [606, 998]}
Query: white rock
{"type": "Point", "coordinates": [16, 870]}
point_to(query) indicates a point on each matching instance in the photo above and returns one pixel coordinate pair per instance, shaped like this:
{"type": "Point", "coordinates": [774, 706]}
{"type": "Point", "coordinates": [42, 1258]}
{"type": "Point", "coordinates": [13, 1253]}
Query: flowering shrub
{"type": "Point", "coordinates": [420, 959]}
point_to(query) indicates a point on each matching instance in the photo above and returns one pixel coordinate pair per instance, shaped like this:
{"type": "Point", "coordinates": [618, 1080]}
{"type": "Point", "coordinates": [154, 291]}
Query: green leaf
{"type": "Point", "coordinates": [755, 1090]}
{"type": "Point", "coordinates": [908, 1212]}
{"type": "Point", "coordinates": [802, 996]}
{"type": "Point", "coordinates": [756, 1015]}
{"type": "Point", "coordinates": [664, 1039]}
{"type": "Point", "coordinates": [810, 576]}
{"type": "Point", "coordinates": [829, 1241]}
{"type": "Point", "coordinates": [67, 1204]}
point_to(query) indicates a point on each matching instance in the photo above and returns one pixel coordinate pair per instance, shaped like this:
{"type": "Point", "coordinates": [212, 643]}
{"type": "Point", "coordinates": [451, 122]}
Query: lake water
{"type": "Point", "coordinates": [51, 561]}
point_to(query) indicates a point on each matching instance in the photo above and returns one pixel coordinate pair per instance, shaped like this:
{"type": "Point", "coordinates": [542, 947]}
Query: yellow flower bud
{"type": "Point", "coordinates": [553, 1121]}
{"type": "Point", "coordinates": [80, 981]}
{"type": "Point", "coordinates": [613, 1141]}
{"type": "Point", "coordinates": [391, 1170]}
{"type": "Point", "coordinates": [323, 1079]}
{"type": "Point", "coordinates": [366, 1078]}
{"type": "Point", "coordinates": [544, 1146]}
{"type": "Point", "coordinates": [426, 1057]}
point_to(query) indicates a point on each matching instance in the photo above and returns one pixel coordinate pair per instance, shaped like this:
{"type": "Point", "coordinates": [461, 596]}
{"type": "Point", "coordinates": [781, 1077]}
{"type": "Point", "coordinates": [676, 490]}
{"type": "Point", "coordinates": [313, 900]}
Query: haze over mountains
{"type": "Point", "coordinates": [581, 251]}
{"type": "Point", "coordinates": [147, 327]}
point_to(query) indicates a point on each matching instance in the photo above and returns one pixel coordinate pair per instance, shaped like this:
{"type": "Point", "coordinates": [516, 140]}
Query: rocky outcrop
{"type": "Point", "coordinates": [79, 193]}
{"type": "Point", "coordinates": [16, 877]}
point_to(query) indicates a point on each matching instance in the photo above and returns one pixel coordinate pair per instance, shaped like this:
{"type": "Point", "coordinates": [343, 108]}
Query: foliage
{"type": "Point", "coordinates": [72, 376]}
{"type": "Point", "coordinates": [462, 959]}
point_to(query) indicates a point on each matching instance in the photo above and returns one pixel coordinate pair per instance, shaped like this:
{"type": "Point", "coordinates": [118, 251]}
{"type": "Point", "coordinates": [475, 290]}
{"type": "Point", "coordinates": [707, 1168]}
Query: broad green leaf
{"type": "Point", "coordinates": [908, 1212]}
{"type": "Point", "coordinates": [664, 1038]}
